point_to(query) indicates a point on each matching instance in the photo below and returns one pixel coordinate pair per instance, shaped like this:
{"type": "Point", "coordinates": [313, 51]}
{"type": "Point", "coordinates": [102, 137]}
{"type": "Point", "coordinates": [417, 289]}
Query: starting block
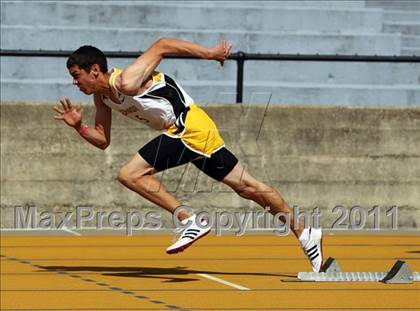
{"type": "Point", "coordinates": [400, 273]}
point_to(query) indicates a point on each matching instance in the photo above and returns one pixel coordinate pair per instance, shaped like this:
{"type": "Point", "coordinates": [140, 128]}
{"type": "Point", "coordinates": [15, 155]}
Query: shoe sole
{"type": "Point", "coordinates": [183, 247]}
{"type": "Point", "coordinates": [322, 259]}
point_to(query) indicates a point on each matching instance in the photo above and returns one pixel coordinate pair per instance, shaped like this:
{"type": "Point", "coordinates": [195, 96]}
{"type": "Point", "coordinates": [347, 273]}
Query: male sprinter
{"type": "Point", "coordinates": [189, 135]}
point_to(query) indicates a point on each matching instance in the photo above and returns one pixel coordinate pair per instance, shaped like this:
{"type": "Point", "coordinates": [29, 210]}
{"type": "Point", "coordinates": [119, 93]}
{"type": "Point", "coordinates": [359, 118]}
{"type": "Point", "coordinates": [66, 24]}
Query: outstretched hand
{"type": "Point", "coordinates": [72, 116]}
{"type": "Point", "coordinates": [221, 51]}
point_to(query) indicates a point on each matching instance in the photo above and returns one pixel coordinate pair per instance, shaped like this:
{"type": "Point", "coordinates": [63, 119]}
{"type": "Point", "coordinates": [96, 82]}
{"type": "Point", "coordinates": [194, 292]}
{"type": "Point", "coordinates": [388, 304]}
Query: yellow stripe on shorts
{"type": "Point", "coordinates": [200, 134]}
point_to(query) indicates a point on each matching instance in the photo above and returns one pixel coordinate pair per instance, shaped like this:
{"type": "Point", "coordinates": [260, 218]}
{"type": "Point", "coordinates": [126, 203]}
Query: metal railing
{"type": "Point", "coordinates": [239, 57]}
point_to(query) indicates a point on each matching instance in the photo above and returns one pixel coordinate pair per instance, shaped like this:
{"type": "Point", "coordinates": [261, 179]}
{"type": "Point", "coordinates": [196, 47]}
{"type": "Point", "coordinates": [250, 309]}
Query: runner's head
{"type": "Point", "coordinates": [86, 65]}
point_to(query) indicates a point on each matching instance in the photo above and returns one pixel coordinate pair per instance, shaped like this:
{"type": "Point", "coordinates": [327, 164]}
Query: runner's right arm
{"type": "Point", "coordinates": [132, 77]}
{"type": "Point", "coordinates": [100, 135]}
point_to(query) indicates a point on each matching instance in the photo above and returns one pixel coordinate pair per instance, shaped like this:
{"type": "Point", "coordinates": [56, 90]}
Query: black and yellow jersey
{"type": "Point", "coordinates": [158, 106]}
{"type": "Point", "coordinates": [166, 106]}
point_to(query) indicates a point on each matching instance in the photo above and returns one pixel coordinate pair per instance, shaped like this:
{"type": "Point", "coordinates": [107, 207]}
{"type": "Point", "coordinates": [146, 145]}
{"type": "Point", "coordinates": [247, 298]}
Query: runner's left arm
{"type": "Point", "coordinates": [100, 134]}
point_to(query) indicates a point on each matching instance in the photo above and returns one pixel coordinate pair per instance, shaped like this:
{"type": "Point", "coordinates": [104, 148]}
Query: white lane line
{"type": "Point", "coordinates": [213, 278]}
{"type": "Point", "coordinates": [40, 230]}
{"type": "Point", "coordinates": [71, 231]}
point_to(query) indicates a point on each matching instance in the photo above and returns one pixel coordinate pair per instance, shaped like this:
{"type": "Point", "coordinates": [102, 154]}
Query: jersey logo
{"type": "Point", "coordinates": [134, 111]}
{"type": "Point", "coordinates": [129, 110]}
{"type": "Point", "coordinates": [142, 119]}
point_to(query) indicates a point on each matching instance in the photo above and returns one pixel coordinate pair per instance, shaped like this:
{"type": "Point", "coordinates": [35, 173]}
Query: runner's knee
{"type": "Point", "coordinates": [123, 176]}
{"type": "Point", "coordinates": [128, 177]}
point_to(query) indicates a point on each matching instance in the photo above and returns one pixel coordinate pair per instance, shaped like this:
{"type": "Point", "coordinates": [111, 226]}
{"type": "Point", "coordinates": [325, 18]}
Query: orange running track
{"type": "Point", "coordinates": [218, 273]}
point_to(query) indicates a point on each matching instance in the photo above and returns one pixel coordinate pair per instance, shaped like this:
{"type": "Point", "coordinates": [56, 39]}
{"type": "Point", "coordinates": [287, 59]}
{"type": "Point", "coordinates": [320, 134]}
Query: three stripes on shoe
{"type": "Point", "coordinates": [312, 252]}
{"type": "Point", "coordinates": [190, 233]}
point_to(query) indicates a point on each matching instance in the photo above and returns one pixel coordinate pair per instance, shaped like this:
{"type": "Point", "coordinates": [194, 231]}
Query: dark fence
{"type": "Point", "coordinates": [239, 57]}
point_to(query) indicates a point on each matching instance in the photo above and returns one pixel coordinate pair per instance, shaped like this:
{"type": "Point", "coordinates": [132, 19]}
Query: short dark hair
{"type": "Point", "coordinates": [86, 56]}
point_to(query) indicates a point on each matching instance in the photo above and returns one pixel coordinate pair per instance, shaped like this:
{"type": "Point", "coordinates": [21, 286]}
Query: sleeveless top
{"type": "Point", "coordinates": [158, 107]}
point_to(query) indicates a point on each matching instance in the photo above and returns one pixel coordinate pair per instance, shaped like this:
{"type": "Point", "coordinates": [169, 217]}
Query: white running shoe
{"type": "Point", "coordinates": [189, 235]}
{"type": "Point", "coordinates": [313, 248]}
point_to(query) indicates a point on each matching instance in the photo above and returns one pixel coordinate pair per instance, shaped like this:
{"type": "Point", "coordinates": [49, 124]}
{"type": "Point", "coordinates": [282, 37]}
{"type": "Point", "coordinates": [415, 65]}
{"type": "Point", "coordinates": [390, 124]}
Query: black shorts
{"type": "Point", "coordinates": [164, 152]}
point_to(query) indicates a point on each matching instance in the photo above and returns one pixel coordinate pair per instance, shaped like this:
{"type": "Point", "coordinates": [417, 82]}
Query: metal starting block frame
{"type": "Point", "coordinates": [400, 273]}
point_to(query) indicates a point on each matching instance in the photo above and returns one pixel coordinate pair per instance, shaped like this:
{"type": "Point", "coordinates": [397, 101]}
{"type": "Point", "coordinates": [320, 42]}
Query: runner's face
{"type": "Point", "coordinates": [83, 80]}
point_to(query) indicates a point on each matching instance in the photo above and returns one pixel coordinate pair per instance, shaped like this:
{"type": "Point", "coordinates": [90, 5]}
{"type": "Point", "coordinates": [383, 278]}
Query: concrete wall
{"type": "Point", "coordinates": [315, 156]}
